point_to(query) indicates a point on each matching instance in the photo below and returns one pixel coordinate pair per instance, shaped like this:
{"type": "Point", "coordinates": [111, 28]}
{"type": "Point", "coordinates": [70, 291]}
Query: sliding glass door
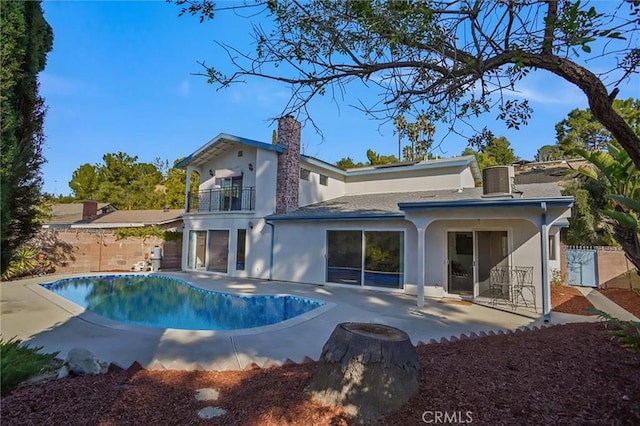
{"type": "Point", "coordinates": [370, 258]}
{"type": "Point", "coordinates": [470, 257]}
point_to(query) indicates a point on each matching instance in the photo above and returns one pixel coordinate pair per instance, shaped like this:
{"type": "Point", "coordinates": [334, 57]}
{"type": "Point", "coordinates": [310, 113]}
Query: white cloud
{"type": "Point", "coordinates": [257, 95]}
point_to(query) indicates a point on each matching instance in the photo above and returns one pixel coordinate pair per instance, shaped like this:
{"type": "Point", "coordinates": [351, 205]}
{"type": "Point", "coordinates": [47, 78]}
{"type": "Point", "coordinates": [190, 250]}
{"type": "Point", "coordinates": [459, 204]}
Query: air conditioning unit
{"type": "Point", "coordinates": [497, 180]}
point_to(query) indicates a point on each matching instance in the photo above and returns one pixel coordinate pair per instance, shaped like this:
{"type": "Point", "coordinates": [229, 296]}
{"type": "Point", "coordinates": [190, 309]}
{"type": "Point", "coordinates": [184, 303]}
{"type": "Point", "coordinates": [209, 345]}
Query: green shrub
{"type": "Point", "coordinates": [628, 332]}
{"type": "Point", "coordinates": [19, 362]}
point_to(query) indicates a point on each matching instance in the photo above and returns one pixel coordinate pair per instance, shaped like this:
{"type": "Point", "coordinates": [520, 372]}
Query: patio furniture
{"type": "Point", "coordinates": [500, 285]}
{"type": "Point", "coordinates": [522, 279]}
{"type": "Point", "coordinates": [512, 285]}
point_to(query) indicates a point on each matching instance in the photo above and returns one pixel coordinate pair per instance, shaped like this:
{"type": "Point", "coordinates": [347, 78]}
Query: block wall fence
{"type": "Point", "coordinates": [611, 263]}
{"type": "Point", "coordinates": [97, 250]}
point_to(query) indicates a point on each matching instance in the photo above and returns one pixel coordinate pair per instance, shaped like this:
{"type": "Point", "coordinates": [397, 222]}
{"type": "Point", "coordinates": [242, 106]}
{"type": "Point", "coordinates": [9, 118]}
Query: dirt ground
{"type": "Point", "coordinates": [569, 301]}
{"type": "Point", "coordinates": [626, 298]}
{"type": "Point", "coordinates": [571, 375]}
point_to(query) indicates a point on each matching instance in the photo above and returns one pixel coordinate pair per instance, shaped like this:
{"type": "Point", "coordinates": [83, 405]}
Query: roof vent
{"type": "Point", "coordinates": [497, 180]}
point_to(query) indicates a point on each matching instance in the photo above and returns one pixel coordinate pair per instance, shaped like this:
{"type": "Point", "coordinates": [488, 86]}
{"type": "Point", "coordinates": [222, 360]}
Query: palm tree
{"type": "Point", "coordinates": [623, 187]}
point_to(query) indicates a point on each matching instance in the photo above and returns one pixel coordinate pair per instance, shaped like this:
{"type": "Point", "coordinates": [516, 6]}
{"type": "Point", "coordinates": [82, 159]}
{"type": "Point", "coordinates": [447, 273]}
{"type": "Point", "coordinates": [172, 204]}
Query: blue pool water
{"type": "Point", "coordinates": [158, 301]}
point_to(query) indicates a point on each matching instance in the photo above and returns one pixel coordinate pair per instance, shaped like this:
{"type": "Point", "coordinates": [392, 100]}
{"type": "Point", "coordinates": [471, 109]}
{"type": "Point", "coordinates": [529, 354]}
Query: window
{"type": "Point", "coordinates": [324, 180]}
{"type": "Point", "coordinates": [380, 265]}
{"type": "Point", "coordinates": [304, 174]}
{"type": "Point", "coordinates": [383, 258]}
{"type": "Point", "coordinates": [240, 153]}
{"type": "Point", "coordinates": [218, 251]}
{"type": "Point", "coordinates": [197, 251]}
{"type": "Point", "coordinates": [344, 257]}
{"type": "Point", "coordinates": [552, 247]}
{"type": "Point", "coordinates": [241, 245]}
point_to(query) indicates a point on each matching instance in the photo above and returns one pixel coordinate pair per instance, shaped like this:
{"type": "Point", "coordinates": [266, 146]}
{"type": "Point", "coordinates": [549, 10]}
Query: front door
{"type": "Point", "coordinates": [460, 263]}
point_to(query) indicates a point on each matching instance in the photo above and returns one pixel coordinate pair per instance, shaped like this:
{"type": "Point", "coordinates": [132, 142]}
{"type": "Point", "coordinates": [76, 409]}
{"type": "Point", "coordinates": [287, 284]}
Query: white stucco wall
{"type": "Point", "coordinates": [257, 244]}
{"type": "Point", "coordinates": [300, 246]}
{"type": "Point", "coordinates": [311, 191]}
{"type": "Point", "coordinates": [466, 179]}
{"type": "Point", "coordinates": [266, 175]}
{"type": "Point", "coordinates": [230, 162]}
{"type": "Point", "coordinates": [415, 180]}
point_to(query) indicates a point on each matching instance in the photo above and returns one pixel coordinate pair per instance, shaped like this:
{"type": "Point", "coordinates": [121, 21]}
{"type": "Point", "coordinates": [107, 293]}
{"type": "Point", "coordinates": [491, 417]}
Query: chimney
{"type": "Point", "coordinates": [288, 178]}
{"type": "Point", "coordinates": [89, 209]}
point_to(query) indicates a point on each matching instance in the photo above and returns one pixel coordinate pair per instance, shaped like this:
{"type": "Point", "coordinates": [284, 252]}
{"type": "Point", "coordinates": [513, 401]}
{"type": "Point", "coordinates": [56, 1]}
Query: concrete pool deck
{"type": "Point", "coordinates": [30, 314]}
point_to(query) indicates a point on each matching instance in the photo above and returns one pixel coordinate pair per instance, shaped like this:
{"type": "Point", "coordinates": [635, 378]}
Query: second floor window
{"type": "Point", "coordinates": [304, 174]}
{"type": "Point", "coordinates": [324, 180]}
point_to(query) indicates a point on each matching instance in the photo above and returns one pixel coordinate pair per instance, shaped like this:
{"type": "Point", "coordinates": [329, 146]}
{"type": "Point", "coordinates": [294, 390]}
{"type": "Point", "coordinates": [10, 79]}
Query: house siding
{"type": "Point", "coordinates": [437, 178]}
{"type": "Point", "coordinates": [307, 262]}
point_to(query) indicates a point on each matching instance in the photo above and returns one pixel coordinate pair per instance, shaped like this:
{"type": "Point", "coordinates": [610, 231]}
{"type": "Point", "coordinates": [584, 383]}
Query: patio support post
{"type": "Point", "coordinates": [544, 242]}
{"type": "Point", "coordinates": [187, 191]}
{"type": "Point", "coordinates": [421, 255]}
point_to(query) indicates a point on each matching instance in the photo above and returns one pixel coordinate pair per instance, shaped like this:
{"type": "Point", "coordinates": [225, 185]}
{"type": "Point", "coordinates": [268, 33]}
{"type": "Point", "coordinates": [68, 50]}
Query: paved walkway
{"type": "Point", "coordinates": [600, 301]}
{"type": "Point", "coordinates": [41, 318]}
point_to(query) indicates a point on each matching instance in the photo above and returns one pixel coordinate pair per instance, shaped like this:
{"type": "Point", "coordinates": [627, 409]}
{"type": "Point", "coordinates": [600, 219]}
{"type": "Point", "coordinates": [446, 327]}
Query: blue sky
{"type": "Point", "coordinates": [119, 78]}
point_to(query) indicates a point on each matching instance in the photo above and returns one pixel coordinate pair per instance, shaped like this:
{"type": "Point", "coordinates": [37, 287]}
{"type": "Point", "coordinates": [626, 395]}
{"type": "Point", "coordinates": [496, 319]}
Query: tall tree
{"type": "Point", "coordinates": [581, 129]}
{"type": "Point", "coordinates": [495, 153]}
{"type": "Point", "coordinates": [84, 182]}
{"type": "Point", "coordinates": [549, 153]}
{"type": "Point", "coordinates": [347, 163]}
{"type": "Point", "coordinates": [420, 134]}
{"type": "Point", "coordinates": [373, 159]}
{"type": "Point", "coordinates": [454, 58]}
{"type": "Point", "coordinates": [25, 40]}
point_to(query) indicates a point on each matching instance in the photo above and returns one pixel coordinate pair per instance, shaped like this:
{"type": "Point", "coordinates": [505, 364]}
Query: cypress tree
{"type": "Point", "coordinates": [25, 40]}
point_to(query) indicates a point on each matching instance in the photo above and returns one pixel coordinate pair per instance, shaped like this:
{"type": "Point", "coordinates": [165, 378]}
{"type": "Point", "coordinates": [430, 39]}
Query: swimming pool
{"type": "Point", "coordinates": [167, 302]}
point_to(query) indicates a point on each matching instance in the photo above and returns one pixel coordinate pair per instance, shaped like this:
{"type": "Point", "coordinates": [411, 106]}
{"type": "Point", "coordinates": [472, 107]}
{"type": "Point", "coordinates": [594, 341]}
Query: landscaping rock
{"type": "Point", "coordinates": [210, 412]}
{"type": "Point", "coordinates": [63, 372]}
{"type": "Point", "coordinates": [82, 362]}
{"type": "Point", "coordinates": [207, 394]}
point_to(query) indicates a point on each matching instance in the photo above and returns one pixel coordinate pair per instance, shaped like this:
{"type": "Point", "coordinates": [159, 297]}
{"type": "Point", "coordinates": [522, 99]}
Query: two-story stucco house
{"type": "Point", "coordinates": [425, 228]}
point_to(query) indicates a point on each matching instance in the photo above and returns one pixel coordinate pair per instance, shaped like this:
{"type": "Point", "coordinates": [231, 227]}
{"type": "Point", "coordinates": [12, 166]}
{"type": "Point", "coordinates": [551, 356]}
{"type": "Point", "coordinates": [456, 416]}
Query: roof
{"type": "Point", "coordinates": [220, 144]}
{"type": "Point", "coordinates": [145, 217]}
{"type": "Point", "coordinates": [225, 142]}
{"type": "Point", "coordinates": [71, 212]}
{"type": "Point", "coordinates": [70, 215]}
{"type": "Point", "coordinates": [389, 204]}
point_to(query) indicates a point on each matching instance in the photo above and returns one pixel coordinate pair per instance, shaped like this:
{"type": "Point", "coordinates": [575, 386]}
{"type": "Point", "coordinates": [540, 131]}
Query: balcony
{"type": "Point", "coordinates": [223, 200]}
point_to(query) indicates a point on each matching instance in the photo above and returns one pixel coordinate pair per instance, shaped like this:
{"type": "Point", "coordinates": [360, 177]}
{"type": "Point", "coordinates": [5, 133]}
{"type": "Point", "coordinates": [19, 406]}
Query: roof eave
{"type": "Point", "coordinates": [563, 201]}
{"type": "Point", "coordinates": [339, 216]}
{"type": "Point", "coordinates": [222, 137]}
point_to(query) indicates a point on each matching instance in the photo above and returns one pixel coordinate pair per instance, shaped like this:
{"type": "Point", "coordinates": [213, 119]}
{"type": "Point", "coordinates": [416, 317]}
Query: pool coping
{"type": "Point", "coordinates": [83, 314]}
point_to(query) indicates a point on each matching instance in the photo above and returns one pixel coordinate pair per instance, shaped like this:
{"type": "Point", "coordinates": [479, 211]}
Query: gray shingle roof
{"type": "Point", "coordinates": [387, 203]}
{"type": "Point", "coordinates": [148, 217]}
{"type": "Point", "coordinates": [70, 213]}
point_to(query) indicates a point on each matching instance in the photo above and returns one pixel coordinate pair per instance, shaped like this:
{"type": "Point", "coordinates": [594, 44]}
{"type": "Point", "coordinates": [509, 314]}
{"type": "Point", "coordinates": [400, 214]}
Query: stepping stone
{"type": "Point", "coordinates": [210, 412]}
{"type": "Point", "coordinates": [207, 394]}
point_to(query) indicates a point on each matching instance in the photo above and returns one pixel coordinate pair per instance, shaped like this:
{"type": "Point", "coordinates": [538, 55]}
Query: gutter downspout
{"type": "Point", "coordinates": [273, 231]}
{"type": "Point", "coordinates": [544, 241]}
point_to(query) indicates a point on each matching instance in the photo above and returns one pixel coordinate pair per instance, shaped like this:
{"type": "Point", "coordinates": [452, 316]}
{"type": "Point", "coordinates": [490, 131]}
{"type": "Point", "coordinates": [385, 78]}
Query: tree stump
{"type": "Point", "coordinates": [368, 369]}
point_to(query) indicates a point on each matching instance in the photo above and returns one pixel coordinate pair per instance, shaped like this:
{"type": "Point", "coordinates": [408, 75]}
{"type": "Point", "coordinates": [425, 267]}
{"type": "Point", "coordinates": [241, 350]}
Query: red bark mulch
{"type": "Point", "coordinates": [571, 375]}
{"type": "Point", "coordinates": [569, 301]}
{"type": "Point", "coordinates": [626, 298]}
